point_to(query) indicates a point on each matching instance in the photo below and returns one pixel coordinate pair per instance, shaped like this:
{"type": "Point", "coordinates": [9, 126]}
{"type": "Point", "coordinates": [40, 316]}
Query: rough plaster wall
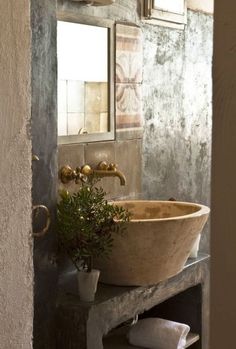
{"type": "Point", "coordinates": [16, 274]}
{"type": "Point", "coordinates": [177, 111]}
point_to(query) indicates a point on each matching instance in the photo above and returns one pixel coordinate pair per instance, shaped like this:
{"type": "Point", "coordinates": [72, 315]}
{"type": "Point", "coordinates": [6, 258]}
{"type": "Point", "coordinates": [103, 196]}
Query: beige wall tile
{"type": "Point", "coordinates": [75, 96]}
{"type": "Point", "coordinates": [96, 97]}
{"type": "Point", "coordinates": [72, 155]}
{"type": "Point", "coordinates": [126, 154]}
{"type": "Point", "coordinates": [62, 96]}
{"type": "Point", "coordinates": [102, 151]}
{"type": "Point", "coordinates": [128, 158]}
{"type": "Point", "coordinates": [62, 124]}
{"type": "Point", "coordinates": [92, 122]}
{"type": "Point", "coordinates": [75, 123]}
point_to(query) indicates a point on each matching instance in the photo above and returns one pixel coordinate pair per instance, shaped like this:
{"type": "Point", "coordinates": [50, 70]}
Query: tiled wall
{"type": "Point", "coordinates": [125, 153]}
{"type": "Point", "coordinates": [82, 105]}
{"type": "Point", "coordinates": [126, 150]}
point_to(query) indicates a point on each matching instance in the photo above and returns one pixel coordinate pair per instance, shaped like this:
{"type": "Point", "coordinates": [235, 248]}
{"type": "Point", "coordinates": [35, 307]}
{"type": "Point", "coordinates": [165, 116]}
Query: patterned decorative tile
{"type": "Point", "coordinates": [128, 106]}
{"type": "Point", "coordinates": [128, 54]}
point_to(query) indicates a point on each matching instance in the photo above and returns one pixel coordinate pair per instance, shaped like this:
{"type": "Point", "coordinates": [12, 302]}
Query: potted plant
{"type": "Point", "coordinates": [86, 224]}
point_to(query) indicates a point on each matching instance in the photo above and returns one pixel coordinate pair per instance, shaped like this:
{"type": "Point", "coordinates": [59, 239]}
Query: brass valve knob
{"type": "Point", "coordinates": [86, 170]}
{"type": "Point", "coordinates": [103, 165]}
{"type": "Point", "coordinates": [112, 167]}
{"type": "Point", "coordinates": [66, 174]}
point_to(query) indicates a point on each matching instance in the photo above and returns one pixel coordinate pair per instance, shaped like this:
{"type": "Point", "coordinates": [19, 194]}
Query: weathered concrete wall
{"type": "Point", "coordinates": [178, 112]}
{"type": "Point", "coordinates": [44, 143]}
{"type": "Point", "coordinates": [16, 271]}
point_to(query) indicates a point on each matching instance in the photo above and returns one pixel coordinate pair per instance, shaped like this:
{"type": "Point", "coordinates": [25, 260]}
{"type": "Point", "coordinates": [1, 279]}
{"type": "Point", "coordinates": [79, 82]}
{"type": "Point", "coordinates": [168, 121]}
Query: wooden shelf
{"type": "Point", "coordinates": [117, 340]}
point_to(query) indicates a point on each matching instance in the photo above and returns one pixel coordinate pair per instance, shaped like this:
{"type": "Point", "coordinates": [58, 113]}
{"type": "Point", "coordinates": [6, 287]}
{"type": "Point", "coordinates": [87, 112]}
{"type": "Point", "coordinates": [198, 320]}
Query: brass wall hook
{"type": "Point", "coordinates": [36, 209]}
{"type": "Point", "coordinates": [35, 157]}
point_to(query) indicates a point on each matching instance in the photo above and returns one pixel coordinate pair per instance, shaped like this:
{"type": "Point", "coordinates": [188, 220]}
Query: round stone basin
{"type": "Point", "coordinates": [156, 243]}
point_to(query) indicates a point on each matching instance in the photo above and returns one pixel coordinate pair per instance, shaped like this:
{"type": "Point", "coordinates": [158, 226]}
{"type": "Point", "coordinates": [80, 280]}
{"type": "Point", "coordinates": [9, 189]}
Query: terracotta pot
{"type": "Point", "coordinates": [87, 284]}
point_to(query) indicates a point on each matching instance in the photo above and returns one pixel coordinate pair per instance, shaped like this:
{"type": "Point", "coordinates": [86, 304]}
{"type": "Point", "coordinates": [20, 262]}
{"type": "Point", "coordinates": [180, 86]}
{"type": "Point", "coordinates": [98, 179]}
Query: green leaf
{"type": "Point", "coordinates": [86, 223]}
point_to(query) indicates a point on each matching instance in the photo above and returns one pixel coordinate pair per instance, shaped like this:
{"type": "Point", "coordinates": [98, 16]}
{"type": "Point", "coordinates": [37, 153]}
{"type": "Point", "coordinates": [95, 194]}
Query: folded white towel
{"type": "Point", "coordinates": [155, 333]}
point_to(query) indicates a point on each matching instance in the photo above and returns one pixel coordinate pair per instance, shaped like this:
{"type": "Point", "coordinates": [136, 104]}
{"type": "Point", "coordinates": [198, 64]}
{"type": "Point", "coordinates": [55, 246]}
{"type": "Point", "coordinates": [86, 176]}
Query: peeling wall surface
{"type": "Point", "coordinates": [16, 270]}
{"type": "Point", "coordinates": [178, 111]}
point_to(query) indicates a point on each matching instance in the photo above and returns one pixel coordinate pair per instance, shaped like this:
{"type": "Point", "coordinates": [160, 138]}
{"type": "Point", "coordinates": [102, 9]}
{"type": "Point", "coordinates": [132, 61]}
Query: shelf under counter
{"type": "Point", "coordinates": [115, 305]}
{"type": "Point", "coordinates": [117, 340]}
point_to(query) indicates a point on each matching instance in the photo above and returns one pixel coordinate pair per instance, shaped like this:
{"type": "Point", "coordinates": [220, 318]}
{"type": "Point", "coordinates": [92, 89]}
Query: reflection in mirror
{"type": "Point", "coordinates": [176, 6]}
{"type": "Point", "coordinates": [83, 81]}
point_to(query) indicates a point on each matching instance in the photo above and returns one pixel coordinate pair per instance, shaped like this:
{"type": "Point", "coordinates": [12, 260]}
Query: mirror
{"type": "Point", "coordinates": [85, 80]}
{"type": "Point", "coordinates": [176, 6]}
{"type": "Point", "coordinates": [168, 12]}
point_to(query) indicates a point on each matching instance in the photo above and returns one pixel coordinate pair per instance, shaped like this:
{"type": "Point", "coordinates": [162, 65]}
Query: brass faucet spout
{"type": "Point", "coordinates": [111, 173]}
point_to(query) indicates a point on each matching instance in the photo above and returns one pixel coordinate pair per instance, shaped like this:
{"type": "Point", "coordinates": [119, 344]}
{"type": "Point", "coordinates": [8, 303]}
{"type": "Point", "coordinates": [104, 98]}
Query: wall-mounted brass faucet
{"type": "Point", "coordinates": [103, 169]}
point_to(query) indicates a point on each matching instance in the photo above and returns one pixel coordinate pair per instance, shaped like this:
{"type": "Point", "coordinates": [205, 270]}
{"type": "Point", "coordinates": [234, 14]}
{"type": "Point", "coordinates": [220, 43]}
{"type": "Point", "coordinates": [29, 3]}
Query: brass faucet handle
{"type": "Point", "coordinates": [66, 174]}
{"type": "Point", "coordinates": [103, 166]}
{"type": "Point", "coordinates": [80, 177]}
{"type": "Point", "coordinates": [86, 170]}
{"type": "Point", "coordinates": [112, 167]}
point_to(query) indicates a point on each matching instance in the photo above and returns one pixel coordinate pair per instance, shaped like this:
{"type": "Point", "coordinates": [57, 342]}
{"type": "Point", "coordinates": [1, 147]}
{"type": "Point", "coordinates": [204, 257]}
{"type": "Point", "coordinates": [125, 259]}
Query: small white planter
{"type": "Point", "coordinates": [87, 284]}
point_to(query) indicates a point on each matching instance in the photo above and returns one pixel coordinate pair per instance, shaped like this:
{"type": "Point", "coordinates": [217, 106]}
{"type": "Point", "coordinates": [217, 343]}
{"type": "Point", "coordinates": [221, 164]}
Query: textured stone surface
{"type": "Point", "coordinates": [16, 265]}
{"type": "Point", "coordinates": [177, 111]}
{"type": "Point", "coordinates": [153, 247]}
{"type": "Point", "coordinates": [44, 138]}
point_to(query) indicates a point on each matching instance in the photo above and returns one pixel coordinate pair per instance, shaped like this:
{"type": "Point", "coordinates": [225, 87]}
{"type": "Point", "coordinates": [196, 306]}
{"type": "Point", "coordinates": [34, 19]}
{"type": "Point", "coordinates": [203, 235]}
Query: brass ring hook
{"type": "Point", "coordinates": [48, 221]}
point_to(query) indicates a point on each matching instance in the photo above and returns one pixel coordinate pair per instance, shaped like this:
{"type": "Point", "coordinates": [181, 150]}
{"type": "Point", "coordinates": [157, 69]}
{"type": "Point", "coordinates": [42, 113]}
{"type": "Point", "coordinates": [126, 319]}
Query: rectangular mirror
{"type": "Point", "coordinates": [177, 6]}
{"type": "Point", "coordinates": [171, 13]}
{"type": "Point", "coordinates": [85, 90]}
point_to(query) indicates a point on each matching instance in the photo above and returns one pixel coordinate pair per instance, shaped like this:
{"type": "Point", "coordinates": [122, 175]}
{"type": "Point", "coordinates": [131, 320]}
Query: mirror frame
{"type": "Point", "coordinates": [110, 25]}
{"type": "Point", "coordinates": [162, 17]}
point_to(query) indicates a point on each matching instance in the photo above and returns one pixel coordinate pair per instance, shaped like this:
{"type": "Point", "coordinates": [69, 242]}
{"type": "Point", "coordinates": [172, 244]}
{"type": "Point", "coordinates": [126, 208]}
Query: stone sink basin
{"type": "Point", "coordinates": [156, 244]}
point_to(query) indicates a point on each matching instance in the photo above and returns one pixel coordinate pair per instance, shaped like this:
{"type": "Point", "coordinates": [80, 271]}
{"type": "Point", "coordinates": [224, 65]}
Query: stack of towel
{"type": "Point", "coordinates": [155, 333]}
